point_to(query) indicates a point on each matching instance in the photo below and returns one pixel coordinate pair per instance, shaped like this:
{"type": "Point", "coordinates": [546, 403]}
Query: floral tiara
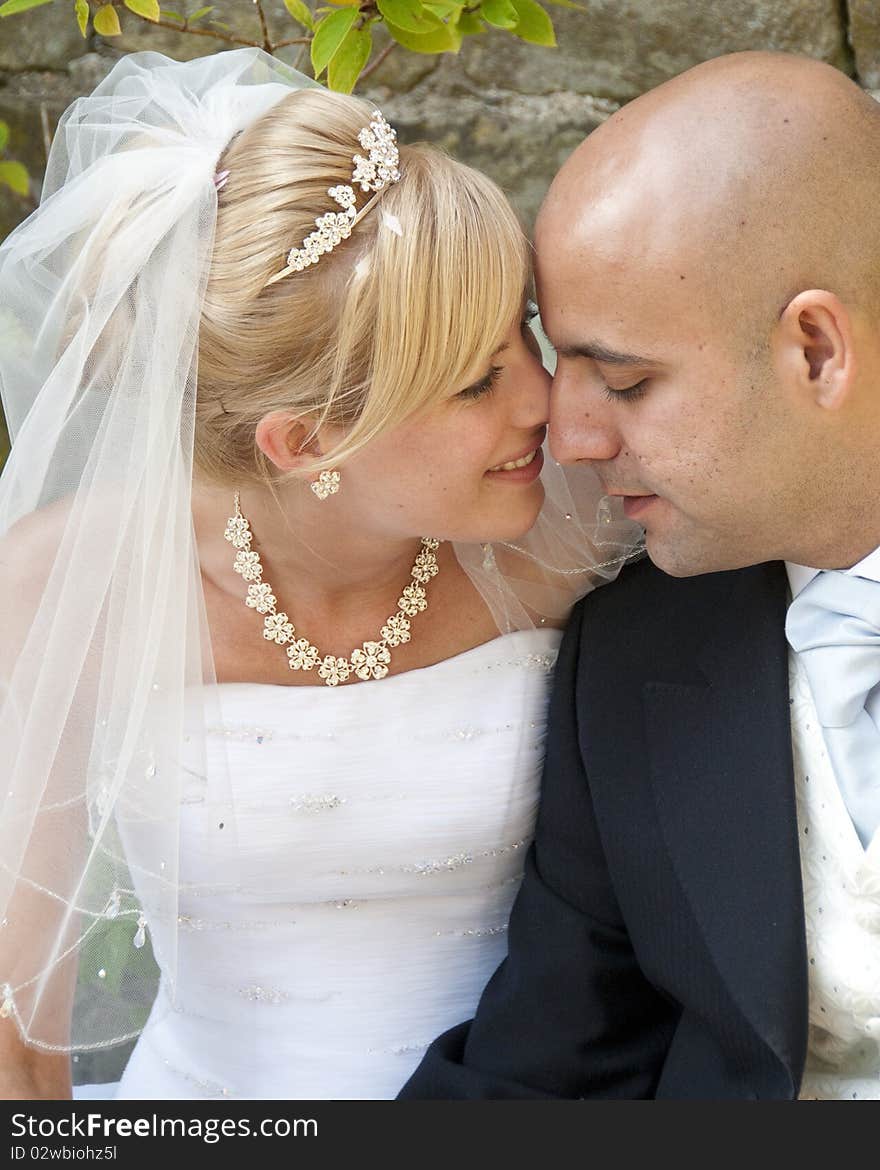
{"type": "Point", "coordinates": [373, 173]}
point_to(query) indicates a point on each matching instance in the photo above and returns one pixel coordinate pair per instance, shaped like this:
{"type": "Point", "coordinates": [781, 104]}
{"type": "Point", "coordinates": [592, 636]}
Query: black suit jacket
{"type": "Point", "coordinates": [657, 947]}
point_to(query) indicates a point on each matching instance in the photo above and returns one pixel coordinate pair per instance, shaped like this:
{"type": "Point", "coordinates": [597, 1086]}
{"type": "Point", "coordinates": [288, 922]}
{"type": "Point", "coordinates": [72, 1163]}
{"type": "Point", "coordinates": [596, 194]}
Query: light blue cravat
{"type": "Point", "coordinates": [834, 625]}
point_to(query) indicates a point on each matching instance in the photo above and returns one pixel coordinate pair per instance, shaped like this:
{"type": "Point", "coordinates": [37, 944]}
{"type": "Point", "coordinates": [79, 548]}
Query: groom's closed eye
{"type": "Point", "coordinates": [605, 355]}
{"type": "Point", "coordinates": [627, 393]}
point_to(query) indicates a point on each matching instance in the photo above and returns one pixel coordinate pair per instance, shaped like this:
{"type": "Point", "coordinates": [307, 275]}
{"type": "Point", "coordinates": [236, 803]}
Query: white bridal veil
{"type": "Point", "coordinates": [102, 622]}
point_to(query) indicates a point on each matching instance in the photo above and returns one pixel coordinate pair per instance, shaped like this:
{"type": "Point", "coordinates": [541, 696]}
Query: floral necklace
{"type": "Point", "coordinates": [370, 659]}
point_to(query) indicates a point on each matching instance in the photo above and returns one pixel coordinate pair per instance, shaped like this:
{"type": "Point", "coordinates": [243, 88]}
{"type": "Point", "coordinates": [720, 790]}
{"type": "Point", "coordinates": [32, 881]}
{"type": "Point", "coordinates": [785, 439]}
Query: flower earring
{"type": "Point", "coordinates": [327, 484]}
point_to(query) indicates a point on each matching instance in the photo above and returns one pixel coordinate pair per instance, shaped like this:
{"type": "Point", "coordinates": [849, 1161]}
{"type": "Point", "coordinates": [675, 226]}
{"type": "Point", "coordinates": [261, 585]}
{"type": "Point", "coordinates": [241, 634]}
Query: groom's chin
{"type": "Point", "coordinates": [679, 560]}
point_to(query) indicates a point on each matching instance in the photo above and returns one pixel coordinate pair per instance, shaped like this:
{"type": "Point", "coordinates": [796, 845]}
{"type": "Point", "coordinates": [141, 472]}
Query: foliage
{"type": "Point", "coordinates": [338, 35]}
{"type": "Point", "coordinates": [12, 174]}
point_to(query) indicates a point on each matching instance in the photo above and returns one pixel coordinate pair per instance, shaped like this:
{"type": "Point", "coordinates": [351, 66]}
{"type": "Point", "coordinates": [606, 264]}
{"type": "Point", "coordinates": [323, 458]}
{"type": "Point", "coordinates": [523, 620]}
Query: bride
{"type": "Point", "coordinates": [284, 571]}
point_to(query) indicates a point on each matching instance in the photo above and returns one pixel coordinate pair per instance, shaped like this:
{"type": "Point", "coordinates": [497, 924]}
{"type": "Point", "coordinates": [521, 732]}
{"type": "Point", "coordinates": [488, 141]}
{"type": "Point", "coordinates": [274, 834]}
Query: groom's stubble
{"type": "Point", "coordinates": [720, 235]}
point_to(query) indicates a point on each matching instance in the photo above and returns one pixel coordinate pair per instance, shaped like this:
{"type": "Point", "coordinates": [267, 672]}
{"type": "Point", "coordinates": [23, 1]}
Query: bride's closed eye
{"type": "Point", "coordinates": [487, 383]}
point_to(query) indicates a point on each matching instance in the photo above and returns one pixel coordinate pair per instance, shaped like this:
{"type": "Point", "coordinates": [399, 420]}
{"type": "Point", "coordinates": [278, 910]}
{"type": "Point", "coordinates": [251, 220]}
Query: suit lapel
{"type": "Point", "coordinates": [723, 785]}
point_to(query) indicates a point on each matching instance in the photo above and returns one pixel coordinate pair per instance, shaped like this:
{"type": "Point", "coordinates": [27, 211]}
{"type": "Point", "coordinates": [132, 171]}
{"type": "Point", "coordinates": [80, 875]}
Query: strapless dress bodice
{"type": "Point", "coordinates": [374, 849]}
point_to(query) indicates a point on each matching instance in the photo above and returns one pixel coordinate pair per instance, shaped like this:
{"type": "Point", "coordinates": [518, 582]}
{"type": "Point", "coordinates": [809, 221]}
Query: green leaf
{"type": "Point", "coordinates": [300, 13]}
{"type": "Point", "coordinates": [107, 21]}
{"type": "Point", "coordinates": [329, 35]}
{"type": "Point", "coordinates": [4, 135]}
{"type": "Point", "coordinates": [469, 24]}
{"type": "Point", "coordinates": [149, 9]}
{"type": "Point", "coordinates": [199, 13]}
{"type": "Point", "coordinates": [81, 8]}
{"type": "Point", "coordinates": [410, 15]}
{"type": "Point", "coordinates": [14, 176]}
{"type": "Point", "coordinates": [534, 24]}
{"type": "Point", "coordinates": [444, 9]}
{"type": "Point", "coordinates": [12, 6]}
{"type": "Point", "coordinates": [499, 13]}
{"type": "Point", "coordinates": [445, 39]}
{"type": "Point", "coordinates": [349, 61]}
{"type": "Point", "coordinates": [167, 14]}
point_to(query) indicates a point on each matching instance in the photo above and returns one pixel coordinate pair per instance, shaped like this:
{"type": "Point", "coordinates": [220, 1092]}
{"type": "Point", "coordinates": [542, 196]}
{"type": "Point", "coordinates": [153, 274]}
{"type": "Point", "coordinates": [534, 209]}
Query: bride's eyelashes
{"type": "Point", "coordinates": [484, 386]}
{"type": "Point", "coordinates": [487, 384]}
{"type": "Point", "coordinates": [627, 393]}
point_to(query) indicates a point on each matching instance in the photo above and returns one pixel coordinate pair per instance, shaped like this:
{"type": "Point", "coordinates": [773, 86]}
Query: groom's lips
{"type": "Point", "coordinates": [634, 504]}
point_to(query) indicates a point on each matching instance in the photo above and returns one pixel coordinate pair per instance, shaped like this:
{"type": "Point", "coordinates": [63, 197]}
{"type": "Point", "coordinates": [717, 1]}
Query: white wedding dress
{"type": "Point", "coordinates": [381, 831]}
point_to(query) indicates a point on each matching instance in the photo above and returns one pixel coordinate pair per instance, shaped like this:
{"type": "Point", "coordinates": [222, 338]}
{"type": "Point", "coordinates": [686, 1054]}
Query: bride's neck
{"type": "Point", "coordinates": [322, 561]}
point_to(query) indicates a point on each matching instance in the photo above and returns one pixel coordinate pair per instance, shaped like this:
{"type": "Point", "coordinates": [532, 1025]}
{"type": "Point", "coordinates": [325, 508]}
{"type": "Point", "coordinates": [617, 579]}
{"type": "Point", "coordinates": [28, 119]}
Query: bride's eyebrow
{"type": "Point", "coordinates": [598, 352]}
{"type": "Point", "coordinates": [506, 344]}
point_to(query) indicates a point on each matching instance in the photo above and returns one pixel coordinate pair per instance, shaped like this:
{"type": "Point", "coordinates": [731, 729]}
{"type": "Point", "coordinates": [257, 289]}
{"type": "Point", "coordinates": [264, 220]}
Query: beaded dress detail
{"type": "Point", "coordinates": [381, 833]}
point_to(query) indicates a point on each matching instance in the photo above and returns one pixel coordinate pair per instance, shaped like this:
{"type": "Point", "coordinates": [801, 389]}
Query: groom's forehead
{"type": "Point", "coordinates": [631, 287]}
{"type": "Point", "coordinates": [622, 317]}
{"type": "Point", "coordinates": [618, 250]}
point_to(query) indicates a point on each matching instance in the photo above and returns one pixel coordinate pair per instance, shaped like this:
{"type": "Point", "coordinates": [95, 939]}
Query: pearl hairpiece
{"type": "Point", "coordinates": [373, 173]}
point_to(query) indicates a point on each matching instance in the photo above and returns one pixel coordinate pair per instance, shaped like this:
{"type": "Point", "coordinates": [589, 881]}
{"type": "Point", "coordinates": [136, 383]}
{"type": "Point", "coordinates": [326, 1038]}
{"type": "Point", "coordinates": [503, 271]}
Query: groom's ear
{"type": "Point", "coordinates": [813, 348]}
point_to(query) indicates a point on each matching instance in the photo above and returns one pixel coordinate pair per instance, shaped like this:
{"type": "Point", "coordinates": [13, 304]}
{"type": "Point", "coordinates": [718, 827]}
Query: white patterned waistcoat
{"type": "Point", "coordinates": [842, 913]}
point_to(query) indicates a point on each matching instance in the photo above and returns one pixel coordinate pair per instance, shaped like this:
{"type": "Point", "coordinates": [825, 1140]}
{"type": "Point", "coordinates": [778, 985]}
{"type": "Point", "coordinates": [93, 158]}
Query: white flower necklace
{"type": "Point", "coordinates": [370, 659]}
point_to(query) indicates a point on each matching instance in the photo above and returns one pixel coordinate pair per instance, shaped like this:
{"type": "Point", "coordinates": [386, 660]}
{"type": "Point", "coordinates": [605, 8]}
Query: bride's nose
{"type": "Point", "coordinates": [533, 397]}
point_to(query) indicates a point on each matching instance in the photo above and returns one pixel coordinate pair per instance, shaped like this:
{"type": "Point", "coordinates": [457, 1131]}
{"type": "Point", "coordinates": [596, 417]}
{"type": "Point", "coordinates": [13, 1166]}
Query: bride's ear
{"type": "Point", "coordinates": [287, 440]}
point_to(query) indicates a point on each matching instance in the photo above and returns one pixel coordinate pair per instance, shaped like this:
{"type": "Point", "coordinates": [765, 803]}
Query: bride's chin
{"type": "Point", "coordinates": [520, 520]}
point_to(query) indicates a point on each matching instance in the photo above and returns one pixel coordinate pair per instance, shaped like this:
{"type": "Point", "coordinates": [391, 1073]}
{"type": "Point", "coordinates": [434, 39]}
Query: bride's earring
{"type": "Point", "coordinates": [327, 484]}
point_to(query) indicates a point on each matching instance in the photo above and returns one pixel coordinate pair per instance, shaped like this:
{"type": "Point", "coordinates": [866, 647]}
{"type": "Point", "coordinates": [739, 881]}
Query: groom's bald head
{"type": "Point", "coordinates": [723, 231]}
{"type": "Point", "coordinates": [754, 154]}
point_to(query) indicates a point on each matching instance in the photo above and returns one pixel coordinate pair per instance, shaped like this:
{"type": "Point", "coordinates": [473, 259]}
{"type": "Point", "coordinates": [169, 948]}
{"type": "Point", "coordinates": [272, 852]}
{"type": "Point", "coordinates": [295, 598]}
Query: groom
{"type": "Point", "coordinates": [700, 914]}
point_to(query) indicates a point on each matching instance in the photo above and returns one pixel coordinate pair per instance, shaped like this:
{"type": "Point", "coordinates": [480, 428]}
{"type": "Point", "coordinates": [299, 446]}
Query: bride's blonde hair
{"type": "Point", "coordinates": [394, 318]}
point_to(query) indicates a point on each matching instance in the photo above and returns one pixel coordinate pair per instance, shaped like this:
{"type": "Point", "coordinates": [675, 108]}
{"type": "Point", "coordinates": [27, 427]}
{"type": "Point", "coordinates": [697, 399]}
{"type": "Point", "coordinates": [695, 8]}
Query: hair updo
{"type": "Point", "coordinates": [393, 318]}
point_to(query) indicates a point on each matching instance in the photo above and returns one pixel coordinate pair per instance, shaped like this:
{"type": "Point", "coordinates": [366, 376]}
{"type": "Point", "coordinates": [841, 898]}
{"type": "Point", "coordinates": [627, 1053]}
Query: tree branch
{"type": "Point", "coordinates": [197, 32]}
{"type": "Point", "coordinates": [44, 125]}
{"type": "Point", "coordinates": [266, 45]}
{"type": "Point", "coordinates": [379, 60]}
{"type": "Point", "coordinates": [264, 28]}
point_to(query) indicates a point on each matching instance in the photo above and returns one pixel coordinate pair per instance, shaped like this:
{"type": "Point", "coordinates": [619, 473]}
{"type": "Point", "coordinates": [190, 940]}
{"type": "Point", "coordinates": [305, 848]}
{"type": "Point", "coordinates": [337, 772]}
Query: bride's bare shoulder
{"type": "Point", "coordinates": [87, 517]}
{"type": "Point", "coordinates": [41, 546]}
{"type": "Point", "coordinates": [31, 544]}
{"type": "Point", "coordinates": [41, 554]}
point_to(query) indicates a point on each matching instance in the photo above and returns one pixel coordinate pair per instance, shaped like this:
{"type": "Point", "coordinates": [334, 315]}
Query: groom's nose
{"type": "Point", "coordinates": [582, 427]}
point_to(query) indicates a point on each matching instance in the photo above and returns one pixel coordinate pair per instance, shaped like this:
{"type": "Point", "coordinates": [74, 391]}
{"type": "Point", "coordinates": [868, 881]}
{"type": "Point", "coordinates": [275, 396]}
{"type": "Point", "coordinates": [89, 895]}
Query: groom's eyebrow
{"type": "Point", "coordinates": [603, 353]}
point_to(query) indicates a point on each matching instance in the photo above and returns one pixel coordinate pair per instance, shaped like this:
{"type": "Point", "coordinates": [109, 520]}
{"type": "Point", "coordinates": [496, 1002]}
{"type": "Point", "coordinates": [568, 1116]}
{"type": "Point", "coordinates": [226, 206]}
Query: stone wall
{"type": "Point", "coordinates": [512, 109]}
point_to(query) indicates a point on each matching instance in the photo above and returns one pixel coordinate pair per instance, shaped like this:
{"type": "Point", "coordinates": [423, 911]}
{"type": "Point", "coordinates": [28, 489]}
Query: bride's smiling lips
{"type": "Point", "coordinates": [528, 471]}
